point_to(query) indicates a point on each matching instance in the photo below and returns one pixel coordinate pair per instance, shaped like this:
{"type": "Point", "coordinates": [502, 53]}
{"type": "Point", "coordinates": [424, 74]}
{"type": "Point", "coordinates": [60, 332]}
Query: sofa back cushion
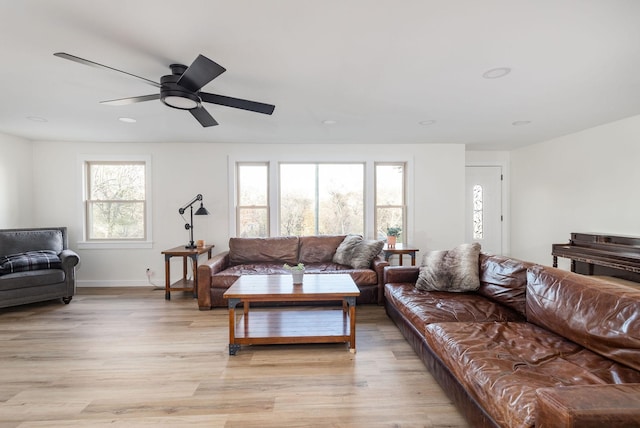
{"type": "Point", "coordinates": [504, 280]}
{"type": "Point", "coordinates": [318, 249]}
{"type": "Point", "coordinates": [16, 241]}
{"type": "Point", "coordinates": [282, 249]}
{"type": "Point", "coordinates": [602, 316]}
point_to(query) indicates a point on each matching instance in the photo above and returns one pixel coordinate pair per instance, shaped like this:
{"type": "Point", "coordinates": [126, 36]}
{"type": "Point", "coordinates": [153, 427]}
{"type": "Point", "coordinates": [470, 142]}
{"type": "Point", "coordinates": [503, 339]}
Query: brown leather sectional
{"type": "Point", "coordinates": [534, 346]}
{"type": "Point", "coordinates": [251, 256]}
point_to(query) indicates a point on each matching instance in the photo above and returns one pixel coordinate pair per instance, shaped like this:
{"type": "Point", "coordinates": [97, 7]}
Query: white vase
{"type": "Point", "coordinates": [297, 276]}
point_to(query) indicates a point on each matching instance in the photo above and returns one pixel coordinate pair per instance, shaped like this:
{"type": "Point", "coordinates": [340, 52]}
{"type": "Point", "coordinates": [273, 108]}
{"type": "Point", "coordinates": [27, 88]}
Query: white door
{"type": "Point", "coordinates": [483, 205]}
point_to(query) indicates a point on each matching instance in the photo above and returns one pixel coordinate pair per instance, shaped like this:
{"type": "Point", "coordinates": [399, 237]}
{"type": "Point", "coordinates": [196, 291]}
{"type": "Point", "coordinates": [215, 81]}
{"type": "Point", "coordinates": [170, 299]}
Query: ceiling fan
{"type": "Point", "coordinates": [181, 89]}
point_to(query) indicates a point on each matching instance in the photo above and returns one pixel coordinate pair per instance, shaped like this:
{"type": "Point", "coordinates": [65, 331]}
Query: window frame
{"type": "Point", "coordinates": [317, 165]}
{"type": "Point", "coordinates": [403, 206]}
{"type": "Point", "coordinates": [369, 189]}
{"type": "Point", "coordinates": [86, 243]}
{"type": "Point", "coordinates": [237, 191]}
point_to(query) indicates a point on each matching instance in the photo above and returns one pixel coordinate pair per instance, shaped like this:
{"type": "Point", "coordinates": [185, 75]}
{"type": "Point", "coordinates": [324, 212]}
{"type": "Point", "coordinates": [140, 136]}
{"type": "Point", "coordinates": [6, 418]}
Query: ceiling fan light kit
{"type": "Point", "coordinates": [181, 89]}
{"type": "Point", "coordinates": [174, 95]}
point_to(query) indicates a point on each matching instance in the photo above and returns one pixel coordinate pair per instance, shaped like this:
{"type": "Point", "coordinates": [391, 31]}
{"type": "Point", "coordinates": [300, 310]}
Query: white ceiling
{"type": "Point", "coordinates": [377, 68]}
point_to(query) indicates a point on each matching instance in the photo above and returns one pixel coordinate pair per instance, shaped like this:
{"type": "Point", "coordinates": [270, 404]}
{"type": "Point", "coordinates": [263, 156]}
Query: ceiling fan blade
{"type": "Point", "coordinates": [237, 103]}
{"type": "Point", "coordinates": [203, 116]}
{"type": "Point", "coordinates": [199, 73]}
{"type": "Point", "coordinates": [97, 65]}
{"type": "Point", "coordinates": [131, 100]}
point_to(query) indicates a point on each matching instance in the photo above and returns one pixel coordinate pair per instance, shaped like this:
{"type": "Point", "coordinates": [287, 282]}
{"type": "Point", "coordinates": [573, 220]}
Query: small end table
{"type": "Point", "coordinates": [184, 284]}
{"type": "Point", "coordinates": [400, 249]}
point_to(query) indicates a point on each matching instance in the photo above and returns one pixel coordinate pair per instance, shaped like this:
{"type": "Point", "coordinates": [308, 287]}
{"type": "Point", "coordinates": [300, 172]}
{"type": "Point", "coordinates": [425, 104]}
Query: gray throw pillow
{"type": "Point", "coordinates": [364, 252]}
{"type": "Point", "coordinates": [454, 270]}
{"type": "Point", "coordinates": [345, 249]}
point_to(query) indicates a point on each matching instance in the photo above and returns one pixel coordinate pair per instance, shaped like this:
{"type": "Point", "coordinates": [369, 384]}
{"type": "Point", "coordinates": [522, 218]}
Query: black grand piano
{"type": "Point", "coordinates": [601, 254]}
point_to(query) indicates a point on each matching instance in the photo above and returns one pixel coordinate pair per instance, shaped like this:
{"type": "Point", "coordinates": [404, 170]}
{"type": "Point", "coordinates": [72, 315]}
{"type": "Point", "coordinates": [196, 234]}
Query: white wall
{"type": "Point", "coordinates": [583, 182]}
{"type": "Point", "coordinates": [182, 170]}
{"type": "Point", "coordinates": [16, 182]}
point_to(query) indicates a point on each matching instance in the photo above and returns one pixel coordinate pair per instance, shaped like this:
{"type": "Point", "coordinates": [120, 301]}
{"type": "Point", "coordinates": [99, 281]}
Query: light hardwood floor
{"type": "Point", "coordinates": [126, 358]}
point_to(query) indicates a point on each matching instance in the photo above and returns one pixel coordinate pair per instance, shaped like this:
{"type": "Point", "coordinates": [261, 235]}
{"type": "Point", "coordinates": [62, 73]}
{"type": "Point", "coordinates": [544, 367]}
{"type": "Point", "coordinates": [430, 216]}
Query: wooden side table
{"type": "Point", "coordinates": [400, 250]}
{"type": "Point", "coordinates": [184, 284]}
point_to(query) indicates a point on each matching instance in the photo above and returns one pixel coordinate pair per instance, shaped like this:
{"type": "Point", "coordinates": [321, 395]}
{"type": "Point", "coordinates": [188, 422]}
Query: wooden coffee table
{"type": "Point", "coordinates": [280, 325]}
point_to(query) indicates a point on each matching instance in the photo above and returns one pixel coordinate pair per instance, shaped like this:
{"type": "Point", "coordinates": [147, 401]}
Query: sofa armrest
{"type": "Point", "coordinates": [398, 274]}
{"type": "Point", "coordinates": [379, 264]}
{"type": "Point", "coordinates": [588, 406]}
{"type": "Point", "coordinates": [69, 259]}
{"type": "Point", "coordinates": [215, 264]}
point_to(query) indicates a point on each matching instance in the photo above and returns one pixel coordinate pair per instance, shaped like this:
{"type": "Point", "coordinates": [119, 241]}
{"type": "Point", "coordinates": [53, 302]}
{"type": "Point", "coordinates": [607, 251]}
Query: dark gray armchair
{"type": "Point", "coordinates": [36, 265]}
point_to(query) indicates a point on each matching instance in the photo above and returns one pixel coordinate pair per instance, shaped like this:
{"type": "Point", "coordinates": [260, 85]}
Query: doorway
{"type": "Point", "coordinates": [483, 206]}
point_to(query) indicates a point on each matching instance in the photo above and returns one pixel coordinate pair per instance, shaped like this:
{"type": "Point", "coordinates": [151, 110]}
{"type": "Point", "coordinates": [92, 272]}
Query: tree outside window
{"type": "Point", "coordinates": [390, 199]}
{"type": "Point", "coordinates": [253, 196]}
{"type": "Point", "coordinates": [321, 198]}
{"type": "Point", "coordinates": [116, 201]}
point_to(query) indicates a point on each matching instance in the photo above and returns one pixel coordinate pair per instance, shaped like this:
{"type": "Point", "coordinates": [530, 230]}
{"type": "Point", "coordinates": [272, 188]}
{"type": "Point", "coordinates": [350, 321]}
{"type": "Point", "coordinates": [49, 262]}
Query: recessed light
{"type": "Point", "coordinates": [521, 122]}
{"type": "Point", "coordinates": [426, 122]}
{"type": "Point", "coordinates": [127, 120]}
{"type": "Point", "coordinates": [496, 73]}
{"type": "Point", "coordinates": [37, 119]}
{"type": "Point", "coordinates": [329, 122]}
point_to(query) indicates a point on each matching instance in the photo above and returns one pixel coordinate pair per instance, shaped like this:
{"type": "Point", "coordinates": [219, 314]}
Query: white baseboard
{"type": "Point", "coordinates": [116, 283]}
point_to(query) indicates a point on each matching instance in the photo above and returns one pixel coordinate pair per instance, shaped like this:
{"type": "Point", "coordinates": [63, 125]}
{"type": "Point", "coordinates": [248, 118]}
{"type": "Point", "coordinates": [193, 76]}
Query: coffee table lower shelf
{"type": "Point", "coordinates": [272, 326]}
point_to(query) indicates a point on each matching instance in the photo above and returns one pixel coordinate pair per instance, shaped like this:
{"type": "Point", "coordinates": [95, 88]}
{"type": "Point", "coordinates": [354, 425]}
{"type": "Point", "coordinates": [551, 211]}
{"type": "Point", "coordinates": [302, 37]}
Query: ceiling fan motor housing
{"type": "Point", "coordinates": [174, 95]}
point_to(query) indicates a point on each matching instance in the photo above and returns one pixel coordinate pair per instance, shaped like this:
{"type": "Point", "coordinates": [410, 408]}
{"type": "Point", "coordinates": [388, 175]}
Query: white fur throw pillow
{"type": "Point", "coordinates": [454, 270]}
{"type": "Point", "coordinates": [345, 249]}
{"type": "Point", "coordinates": [356, 252]}
{"type": "Point", "coordinates": [364, 253]}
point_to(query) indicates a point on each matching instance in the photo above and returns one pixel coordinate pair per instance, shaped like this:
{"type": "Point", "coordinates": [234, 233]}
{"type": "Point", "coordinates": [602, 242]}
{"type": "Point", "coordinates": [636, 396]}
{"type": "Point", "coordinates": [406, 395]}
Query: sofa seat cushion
{"type": "Point", "coordinates": [426, 307]}
{"type": "Point", "coordinates": [502, 365]}
{"type": "Point", "coordinates": [227, 277]}
{"type": "Point", "coordinates": [34, 278]}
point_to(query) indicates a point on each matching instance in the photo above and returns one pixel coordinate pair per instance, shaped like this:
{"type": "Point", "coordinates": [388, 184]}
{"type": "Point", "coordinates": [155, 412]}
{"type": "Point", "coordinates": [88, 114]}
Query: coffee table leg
{"type": "Point", "coordinates": [233, 346]}
{"type": "Point", "coordinates": [351, 302]}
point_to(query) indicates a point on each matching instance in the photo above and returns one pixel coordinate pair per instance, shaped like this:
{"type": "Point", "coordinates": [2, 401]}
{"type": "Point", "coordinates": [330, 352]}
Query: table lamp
{"type": "Point", "coordinates": [189, 226]}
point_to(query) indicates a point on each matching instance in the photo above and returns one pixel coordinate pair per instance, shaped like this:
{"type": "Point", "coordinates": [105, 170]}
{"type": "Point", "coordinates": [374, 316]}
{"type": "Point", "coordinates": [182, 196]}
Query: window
{"type": "Point", "coordinates": [321, 198]}
{"type": "Point", "coordinates": [390, 199]}
{"type": "Point", "coordinates": [478, 212]}
{"type": "Point", "coordinates": [116, 201]}
{"type": "Point", "coordinates": [253, 195]}
{"type": "Point", "coordinates": [279, 198]}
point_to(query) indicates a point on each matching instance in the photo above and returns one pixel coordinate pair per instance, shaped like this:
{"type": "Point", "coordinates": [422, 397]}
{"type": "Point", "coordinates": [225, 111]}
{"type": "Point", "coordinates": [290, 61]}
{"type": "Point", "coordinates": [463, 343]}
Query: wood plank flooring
{"type": "Point", "coordinates": [128, 358]}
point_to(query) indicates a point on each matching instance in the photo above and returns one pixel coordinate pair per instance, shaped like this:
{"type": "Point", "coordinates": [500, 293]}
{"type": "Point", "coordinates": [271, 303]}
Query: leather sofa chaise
{"type": "Point", "coordinates": [267, 256]}
{"type": "Point", "coordinates": [534, 346]}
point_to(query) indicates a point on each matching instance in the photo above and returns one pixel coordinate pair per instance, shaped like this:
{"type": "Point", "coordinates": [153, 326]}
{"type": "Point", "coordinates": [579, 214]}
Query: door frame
{"type": "Point", "coordinates": [498, 159]}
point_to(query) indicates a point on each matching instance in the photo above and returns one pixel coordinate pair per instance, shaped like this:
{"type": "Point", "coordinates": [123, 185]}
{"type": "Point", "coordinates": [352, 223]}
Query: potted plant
{"type": "Point", "coordinates": [392, 236]}
{"type": "Point", "coordinates": [297, 272]}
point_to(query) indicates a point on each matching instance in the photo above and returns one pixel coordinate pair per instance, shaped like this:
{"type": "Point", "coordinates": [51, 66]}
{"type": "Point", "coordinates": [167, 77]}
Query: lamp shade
{"type": "Point", "coordinates": [202, 210]}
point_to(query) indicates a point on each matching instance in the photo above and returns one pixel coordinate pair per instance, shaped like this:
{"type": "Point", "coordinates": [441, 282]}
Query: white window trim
{"type": "Point", "coordinates": [84, 244]}
{"type": "Point", "coordinates": [274, 187]}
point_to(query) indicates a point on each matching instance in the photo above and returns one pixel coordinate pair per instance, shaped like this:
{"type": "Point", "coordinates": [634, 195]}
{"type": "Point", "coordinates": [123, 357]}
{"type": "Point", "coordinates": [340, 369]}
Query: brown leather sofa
{"type": "Point", "coordinates": [534, 346]}
{"type": "Point", "coordinates": [253, 256]}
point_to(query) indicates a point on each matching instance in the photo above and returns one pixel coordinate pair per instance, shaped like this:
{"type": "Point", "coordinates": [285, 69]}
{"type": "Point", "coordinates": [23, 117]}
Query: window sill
{"type": "Point", "coordinates": [102, 245]}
